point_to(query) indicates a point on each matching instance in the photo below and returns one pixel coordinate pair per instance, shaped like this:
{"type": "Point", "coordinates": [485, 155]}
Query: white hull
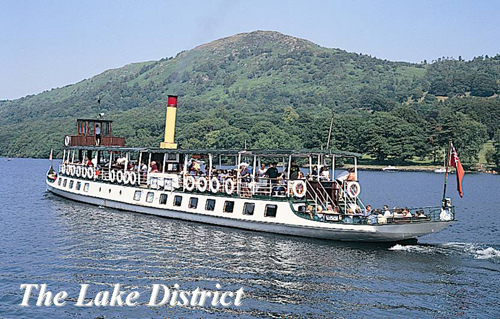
{"type": "Point", "coordinates": [285, 222]}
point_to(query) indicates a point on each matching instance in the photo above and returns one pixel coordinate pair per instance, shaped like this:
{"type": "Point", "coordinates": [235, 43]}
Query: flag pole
{"type": "Point", "coordinates": [446, 172]}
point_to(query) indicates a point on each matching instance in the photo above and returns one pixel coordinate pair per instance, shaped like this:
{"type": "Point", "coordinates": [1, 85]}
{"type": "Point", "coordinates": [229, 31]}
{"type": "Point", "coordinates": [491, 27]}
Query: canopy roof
{"type": "Point", "coordinates": [261, 153]}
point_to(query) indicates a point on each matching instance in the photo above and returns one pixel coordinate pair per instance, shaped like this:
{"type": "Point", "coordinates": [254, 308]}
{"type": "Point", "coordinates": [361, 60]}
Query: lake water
{"type": "Point", "coordinates": [48, 239]}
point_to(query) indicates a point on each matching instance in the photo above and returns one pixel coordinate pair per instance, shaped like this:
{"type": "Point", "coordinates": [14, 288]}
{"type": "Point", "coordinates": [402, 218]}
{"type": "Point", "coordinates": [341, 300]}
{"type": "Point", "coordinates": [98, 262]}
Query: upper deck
{"type": "Point", "coordinates": [94, 132]}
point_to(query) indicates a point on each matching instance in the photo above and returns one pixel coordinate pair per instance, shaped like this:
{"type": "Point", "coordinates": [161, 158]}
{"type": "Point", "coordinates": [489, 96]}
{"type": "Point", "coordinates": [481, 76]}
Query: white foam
{"type": "Point", "coordinates": [477, 251]}
{"type": "Point", "coordinates": [411, 248]}
{"type": "Point", "coordinates": [486, 253]}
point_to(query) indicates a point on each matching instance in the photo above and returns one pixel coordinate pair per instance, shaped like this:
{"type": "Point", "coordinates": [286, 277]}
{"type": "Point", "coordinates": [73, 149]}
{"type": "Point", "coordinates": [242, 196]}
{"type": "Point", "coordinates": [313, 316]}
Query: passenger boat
{"type": "Point", "coordinates": [226, 187]}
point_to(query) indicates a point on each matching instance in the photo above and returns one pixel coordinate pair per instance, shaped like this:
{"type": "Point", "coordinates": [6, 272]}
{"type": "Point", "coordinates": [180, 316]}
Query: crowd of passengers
{"type": "Point", "coordinates": [354, 214]}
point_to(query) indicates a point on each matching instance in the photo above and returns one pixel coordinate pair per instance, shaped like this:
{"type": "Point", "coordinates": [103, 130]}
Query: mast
{"type": "Point", "coordinates": [446, 172]}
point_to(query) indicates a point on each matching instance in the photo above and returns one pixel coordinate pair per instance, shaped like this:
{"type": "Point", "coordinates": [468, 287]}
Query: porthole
{"type": "Point", "coordinates": [228, 206]}
{"type": "Point", "coordinates": [271, 211]}
{"type": "Point", "coordinates": [248, 208]}
{"type": "Point", "coordinates": [210, 206]}
{"type": "Point", "coordinates": [193, 202]}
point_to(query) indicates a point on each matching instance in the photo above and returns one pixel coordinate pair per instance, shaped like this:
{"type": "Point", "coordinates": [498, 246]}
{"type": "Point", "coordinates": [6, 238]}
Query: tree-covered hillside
{"type": "Point", "coordinates": [270, 90]}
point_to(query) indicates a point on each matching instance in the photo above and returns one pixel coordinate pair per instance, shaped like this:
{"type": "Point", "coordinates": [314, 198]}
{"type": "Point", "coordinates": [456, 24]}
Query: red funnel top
{"type": "Point", "coordinates": [172, 100]}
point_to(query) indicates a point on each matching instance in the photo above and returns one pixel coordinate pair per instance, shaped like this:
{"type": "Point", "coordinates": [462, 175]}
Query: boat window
{"type": "Point", "coordinates": [78, 185]}
{"type": "Point", "coordinates": [86, 187]}
{"type": "Point", "coordinates": [150, 197]}
{"type": "Point", "coordinates": [177, 200]}
{"type": "Point", "coordinates": [248, 208]}
{"type": "Point", "coordinates": [91, 128]}
{"type": "Point", "coordinates": [163, 199]}
{"type": "Point", "coordinates": [71, 184]}
{"type": "Point", "coordinates": [59, 183]}
{"type": "Point", "coordinates": [228, 207]}
{"type": "Point", "coordinates": [193, 202]}
{"type": "Point", "coordinates": [271, 211]}
{"type": "Point", "coordinates": [137, 195]}
{"type": "Point", "coordinates": [210, 204]}
{"type": "Point", "coordinates": [65, 182]}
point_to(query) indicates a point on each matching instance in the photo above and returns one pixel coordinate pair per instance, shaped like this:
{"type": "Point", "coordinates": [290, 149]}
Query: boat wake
{"type": "Point", "coordinates": [477, 251]}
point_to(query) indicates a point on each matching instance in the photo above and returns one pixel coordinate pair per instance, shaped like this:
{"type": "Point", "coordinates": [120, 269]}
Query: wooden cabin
{"type": "Point", "coordinates": [86, 134]}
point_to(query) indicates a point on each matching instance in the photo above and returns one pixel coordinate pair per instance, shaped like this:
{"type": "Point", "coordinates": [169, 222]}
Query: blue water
{"type": "Point", "coordinates": [48, 239]}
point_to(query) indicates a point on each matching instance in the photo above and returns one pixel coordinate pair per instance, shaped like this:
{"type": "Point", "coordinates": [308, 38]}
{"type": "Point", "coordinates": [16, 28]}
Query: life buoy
{"type": "Point", "coordinates": [353, 189]}
{"type": "Point", "coordinates": [62, 169]}
{"type": "Point", "coordinates": [90, 172]}
{"type": "Point", "coordinates": [67, 140]}
{"type": "Point", "coordinates": [214, 185]}
{"type": "Point", "coordinates": [299, 189]}
{"type": "Point", "coordinates": [112, 176]}
{"type": "Point", "coordinates": [132, 178]}
{"type": "Point", "coordinates": [119, 176]}
{"type": "Point", "coordinates": [73, 170]}
{"type": "Point", "coordinates": [78, 171]}
{"type": "Point", "coordinates": [229, 186]}
{"type": "Point", "coordinates": [126, 177]}
{"type": "Point", "coordinates": [189, 183]}
{"type": "Point", "coordinates": [84, 172]}
{"type": "Point", "coordinates": [202, 184]}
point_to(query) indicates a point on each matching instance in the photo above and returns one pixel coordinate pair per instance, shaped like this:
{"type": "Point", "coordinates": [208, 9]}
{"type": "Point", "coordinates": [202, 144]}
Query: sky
{"type": "Point", "coordinates": [52, 43]}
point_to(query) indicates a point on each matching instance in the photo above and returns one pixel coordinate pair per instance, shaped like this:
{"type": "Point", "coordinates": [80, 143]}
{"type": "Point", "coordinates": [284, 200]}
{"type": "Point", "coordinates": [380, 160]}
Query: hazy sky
{"type": "Point", "coordinates": [51, 43]}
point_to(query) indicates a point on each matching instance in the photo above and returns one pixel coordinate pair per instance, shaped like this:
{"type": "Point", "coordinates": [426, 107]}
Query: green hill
{"type": "Point", "coordinates": [272, 90]}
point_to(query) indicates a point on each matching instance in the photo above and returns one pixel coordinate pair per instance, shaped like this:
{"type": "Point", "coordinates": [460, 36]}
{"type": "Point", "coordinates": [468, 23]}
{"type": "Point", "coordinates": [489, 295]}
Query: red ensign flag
{"type": "Point", "coordinates": [455, 162]}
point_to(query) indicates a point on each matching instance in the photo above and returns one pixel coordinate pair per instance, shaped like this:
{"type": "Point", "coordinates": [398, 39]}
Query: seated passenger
{"type": "Point", "coordinates": [310, 211]}
{"type": "Point", "coordinates": [406, 213]}
{"type": "Point", "coordinates": [381, 218]}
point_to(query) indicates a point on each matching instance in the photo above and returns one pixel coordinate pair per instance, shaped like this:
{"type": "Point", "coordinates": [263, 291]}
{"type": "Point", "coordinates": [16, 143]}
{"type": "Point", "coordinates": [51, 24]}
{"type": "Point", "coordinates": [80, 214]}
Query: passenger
{"type": "Point", "coordinates": [97, 135]}
{"type": "Point", "coordinates": [368, 210]}
{"type": "Point", "coordinates": [319, 212]}
{"type": "Point", "coordinates": [421, 214]}
{"type": "Point", "coordinates": [406, 213]}
{"type": "Point", "coordinates": [398, 212]}
{"type": "Point", "coordinates": [325, 173]}
{"type": "Point", "coordinates": [193, 167]}
{"type": "Point", "coordinates": [314, 173]}
{"type": "Point", "coordinates": [273, 173]}
{"type": "Point", "coordinates": [387, 212]}
{"type": "Point", "coordinates": [87, 162]}
{"type": "Point", "coordinates": [381, 218]}
{"type": "Point", "coordinates": [301, 175]}
{"type": "Point", "coordinates": [310, 211]}
{"type": "Point", "coordinates": [153, 168]}
{"type": "Point", "coordinates": [144, 168]}
{"type": "Point", "coordinates": [294, 171]}
{"type": "Point", "coordinates": [262, 170]}
{"type": "Point", "coordinates": [245, 172]}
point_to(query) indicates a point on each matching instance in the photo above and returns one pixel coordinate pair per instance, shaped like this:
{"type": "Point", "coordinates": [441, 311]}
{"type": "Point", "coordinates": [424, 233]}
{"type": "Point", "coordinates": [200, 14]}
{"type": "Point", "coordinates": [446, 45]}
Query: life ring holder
{"type": "Point", "coordinates": [132, 178]}
{"type": "Point", "coordinates": [112, 176]}
{"type": "Point", "coordinates": [189, 183]}
{"type": "Point", "coordinates": [119, 176]}
{"type": "Point", "coordinates": [202, 184]}
{"type": "Point", "coordinates": [214, 188]}
{"type": "Point", "coordinates": [78, 171]}
{"type": "Point", "coordinates": [229, 186]}
{"type": "Point", "coordinates": [126, 177]}
{"type": "Point", "coordinates": [353, 189]}
{"type": "Point", "coordinates": [299, 189]}
{"type": "Point", "coordinates": [84, 172]}
{"type": "Point", "coordinates": [90, 172]}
